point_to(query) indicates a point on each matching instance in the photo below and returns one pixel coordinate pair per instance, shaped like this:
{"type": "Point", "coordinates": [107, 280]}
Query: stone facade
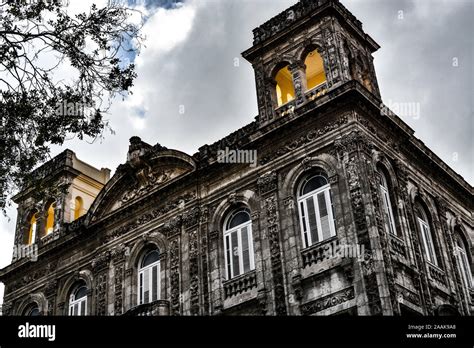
{"type": "Point", "coordinates": [166, 199]}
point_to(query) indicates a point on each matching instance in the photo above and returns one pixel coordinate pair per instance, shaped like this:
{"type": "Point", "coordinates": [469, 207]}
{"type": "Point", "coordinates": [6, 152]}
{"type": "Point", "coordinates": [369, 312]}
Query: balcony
{"type": "Point", "coordinates": [152, 309]}
{"type": "Point", "coordinates": [317, 91]}
{"type": "Point", "coordinates": [437, 274]}
{"type": "Point", "coordinates": [397, 246]}
{"type": "Point", "coordinates": [240, 284]}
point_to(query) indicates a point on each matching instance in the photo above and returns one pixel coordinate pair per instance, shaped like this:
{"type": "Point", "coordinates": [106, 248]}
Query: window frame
{"type": "Point", "coordinates": [229, 253]}
{"type": "Point", "coordinates": [142, 270]}
{"type": "Point", "coordinates": [303, 215]}
{"type": "Point", "coordinates": [387, 202]}
{"type": "Point", "coordinates": [463, 263]}
{"type": "Point", "coordinates": [73, 302]}
{"type": "Point", "coordinates": [427, 236]}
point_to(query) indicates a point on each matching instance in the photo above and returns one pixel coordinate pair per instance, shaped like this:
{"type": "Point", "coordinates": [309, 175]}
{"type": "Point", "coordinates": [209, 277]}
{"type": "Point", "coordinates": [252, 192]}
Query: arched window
{"type": "Point", "coordinates": [238, 243]}
{"type": "Point", "coordinates": [285, 90]}
{"type": "Point", "coordinates": [32, 311]}
{"type": "Point", "coordinates": [78, 207]}
{"type": "Point", "coordinates": [316, 209]}
{"type": "Point", "coordinates": [149, 277]}
{"type": "Point", "coordinates": [463, 260]}
{"type": "Point", "coordinates": [315, 75]}
{"type": "Point", "coordinates": [387, 204]}
{"type": "Point", "coordinates": [78, 300]}
{"type": "Point", "coordinates": [31, 238]}
{"type": "Point", "coordinates": [49, 218]}
{"type": "Point", "coordinates": [426, 234]}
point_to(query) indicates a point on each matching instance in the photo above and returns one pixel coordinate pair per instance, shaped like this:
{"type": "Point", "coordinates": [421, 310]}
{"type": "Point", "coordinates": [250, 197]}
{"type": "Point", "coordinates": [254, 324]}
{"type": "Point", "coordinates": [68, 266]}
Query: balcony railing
{"type": "Point", "coordinates": [437, 274]}
{"type": "Point", "coordinates": [397, 246]}
{"type": "Point", "coordinates": [156, 308]}
{"type": "Point", "coordinates": [317, 91]}
{"type": "Point", "coordinates": [240, 284]}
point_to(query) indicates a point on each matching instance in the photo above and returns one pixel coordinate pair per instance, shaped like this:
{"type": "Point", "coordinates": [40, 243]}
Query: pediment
{"type": "Point", "coordinates": [148, 169]}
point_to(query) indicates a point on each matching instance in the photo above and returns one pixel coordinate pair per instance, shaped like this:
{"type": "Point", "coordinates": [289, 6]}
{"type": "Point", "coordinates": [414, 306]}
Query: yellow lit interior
{"type": "Point", "coordinates": [50, 219]}
{"type": "Point", "coordinates": [284, 88]}
{"type": "Point", "coordinates": [314, 70]}
{"type": "Point", "coordinates": [78, 206]}
{"type": "Point", "coordinates": [32, 232]}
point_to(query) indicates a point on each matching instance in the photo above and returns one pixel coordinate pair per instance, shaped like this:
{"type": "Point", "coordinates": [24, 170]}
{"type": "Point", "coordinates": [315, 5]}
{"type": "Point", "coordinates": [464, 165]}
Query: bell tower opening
{"type": "Point", "coordinates": [284, 86]}
{"type": "Point", "coordinates": [315, 47]}
{"type": "Point", "coordinates": [315, 75]}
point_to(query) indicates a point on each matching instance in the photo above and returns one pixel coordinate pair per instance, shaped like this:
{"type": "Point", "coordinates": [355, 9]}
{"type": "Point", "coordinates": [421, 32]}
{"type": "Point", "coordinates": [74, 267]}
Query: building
{"type": "Point", "coordinates": [344, 211]}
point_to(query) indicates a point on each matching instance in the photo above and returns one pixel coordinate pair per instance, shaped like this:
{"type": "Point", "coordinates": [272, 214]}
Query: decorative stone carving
{"type": "Point", "coordinates": [274, 239]}
{"type": "Point", "coordinates": [328, 301]}
{"type": "Point", "coordinates": [267, 183]}
{"type": "Point", "coordinates": [304, 139]}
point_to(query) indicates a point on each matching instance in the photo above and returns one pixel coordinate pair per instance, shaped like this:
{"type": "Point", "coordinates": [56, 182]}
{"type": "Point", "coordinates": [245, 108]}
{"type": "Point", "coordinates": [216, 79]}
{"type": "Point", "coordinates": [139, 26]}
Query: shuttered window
{"type": "Point", "coordinates": [238, 240]}
{"type": "Point", "coordinates": [316, 213]}
{"type": "Point", "coordinates": [149, 278]}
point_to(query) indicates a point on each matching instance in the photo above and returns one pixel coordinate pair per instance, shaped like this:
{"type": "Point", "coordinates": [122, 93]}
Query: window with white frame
{"type": "Point", "coordinates": [387, 204]}
{"type": "Point", "coordinates": [463, 262]}
{"type": "Point", "coordinates": [427, 237]}
{"type": "Point", "coordinates": [316, 211]}
{"type": "Point", "coordinates": [149, 278]}
{"type": "Point", "coordinates": [238, 243]}
{"type": "Point", "coordinates": [78, 301]}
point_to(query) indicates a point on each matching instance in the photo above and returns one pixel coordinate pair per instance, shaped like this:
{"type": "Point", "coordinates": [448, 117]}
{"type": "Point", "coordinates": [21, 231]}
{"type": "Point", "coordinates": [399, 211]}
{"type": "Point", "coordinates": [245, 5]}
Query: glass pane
{"type": "Point", "coordinates": [245, 249]}
{"type": "Point", "coordinates": [154, 284]}
{"type": "Point", "coordinates": [313, 227]}
{"type": "Point", "coordinates": [150, 258]}
{"type": "Point", "coordinates": [141, 288]}
{"type": "Point", "coordinates": [227, 250]}
{"type": "Point", "coordinates": [313, 184]}
{"type": "Point", "coordinates": [83, 307]}
{"type": "Point", "coordinates": [303, 225]}
{"type": "Point", "coordinates": [235, 254]}
{"type": "Point", "coordinates": [81, 292]}
{"type": "Point", "coordinates": [76, 309]}
{"type": "Point", "coordinates": [238, 219]}
{"type": "Point", "coordinates": [466, 269]}
{"type": "Point", "coordinates": [323, 215]}
{"type": "Point", "coordinates": [146, 286]}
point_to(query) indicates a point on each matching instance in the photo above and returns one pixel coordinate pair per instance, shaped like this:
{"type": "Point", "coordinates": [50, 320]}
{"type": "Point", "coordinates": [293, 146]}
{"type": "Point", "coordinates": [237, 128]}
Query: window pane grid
{"type": "Point", "coordinates": [317, 216]}
{"type": "Point", "coordinates": [238, 246]}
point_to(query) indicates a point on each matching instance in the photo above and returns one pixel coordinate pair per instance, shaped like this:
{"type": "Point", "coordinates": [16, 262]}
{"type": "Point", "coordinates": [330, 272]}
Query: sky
{"type": "Point", "coordinates": [193, 87]}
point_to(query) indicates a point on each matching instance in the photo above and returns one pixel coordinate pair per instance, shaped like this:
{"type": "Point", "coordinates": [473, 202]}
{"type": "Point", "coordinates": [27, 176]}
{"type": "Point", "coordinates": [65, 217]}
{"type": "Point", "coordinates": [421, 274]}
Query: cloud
{"type": "Point", "coordinates": [190, 91]}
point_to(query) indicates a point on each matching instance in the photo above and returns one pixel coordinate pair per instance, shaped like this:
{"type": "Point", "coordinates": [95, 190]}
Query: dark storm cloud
{"type": "Point", "coordinates": [197, 90]}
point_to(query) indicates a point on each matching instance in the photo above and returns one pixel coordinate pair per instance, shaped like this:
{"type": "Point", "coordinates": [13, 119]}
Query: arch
{"type": "Point", "coordinates": [78, 207]}
{"type": "Point", "coordinates": [284, 87]}
{"type": "Point", "coordinates": [70, 284]}
{"type": "Point", "coordinates": [49, 209]}
{"type": "Point", "coordinates": [315, 207]}
{"type": "Point", "coordinates": [78, 296]}
{"type": "Point", "coordinates": [147, 242]}
{"type": "Point", "coordinates": [239, 254]}
{"type": "Point", "coordinates": [325, 162]}
{"type": "Point", "coordinates": [31, 231]}
{"type": "Point", "coordinates": [446, 310]}
{"type": "Point", "coordinates": [315, 71]}
{"type": "Point", "coordinates": [36, 299]}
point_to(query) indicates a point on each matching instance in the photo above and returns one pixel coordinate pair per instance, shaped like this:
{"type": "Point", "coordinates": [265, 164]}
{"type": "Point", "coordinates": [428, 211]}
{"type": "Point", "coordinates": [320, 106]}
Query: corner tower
{"type": "Point", "coordinates": [60, 191]}
{"type": "Point", "coordinates": [305, 51]}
